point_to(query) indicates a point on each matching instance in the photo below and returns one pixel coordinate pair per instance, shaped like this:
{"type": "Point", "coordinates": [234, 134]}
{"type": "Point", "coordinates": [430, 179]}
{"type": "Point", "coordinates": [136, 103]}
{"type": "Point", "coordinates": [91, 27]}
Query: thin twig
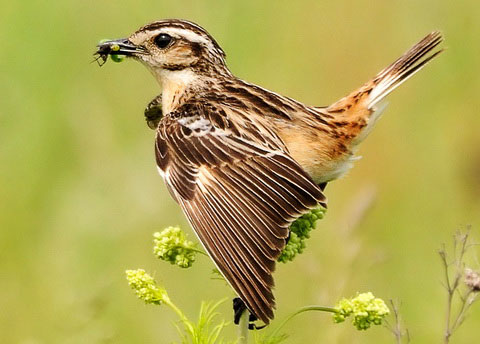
{"type": "Point", "coordinates": [448, 287]}
{"type": "Point", "coordinates": [397, 330]}
{"type": "Point", "coordinates": [460, 247]}
{"type": "Point", "coordinates": [469, 298]}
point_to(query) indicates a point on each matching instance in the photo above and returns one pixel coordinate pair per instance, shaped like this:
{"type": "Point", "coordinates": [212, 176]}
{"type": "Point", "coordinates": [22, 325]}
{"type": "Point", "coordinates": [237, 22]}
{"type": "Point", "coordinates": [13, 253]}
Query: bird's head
{"type": "Point", "coordinates": [169, 45]}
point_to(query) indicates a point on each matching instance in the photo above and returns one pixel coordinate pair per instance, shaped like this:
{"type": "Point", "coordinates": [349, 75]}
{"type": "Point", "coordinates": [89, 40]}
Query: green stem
{"type": "Point", "coordinates": [302, 310]}
{"type": "Point", "coordinates": [199, 251]}
{"type": "Point", "coordinates": [180, 314]}
{"type": "Point", "coordinates": [243, 328]}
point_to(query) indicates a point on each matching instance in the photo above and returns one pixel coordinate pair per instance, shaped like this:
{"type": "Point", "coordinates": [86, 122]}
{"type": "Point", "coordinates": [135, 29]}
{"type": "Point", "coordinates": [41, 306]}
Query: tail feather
{"type": "Point", "coordinates": [403, 68]}
{"type": "Point", "coordinates": [363, 100]}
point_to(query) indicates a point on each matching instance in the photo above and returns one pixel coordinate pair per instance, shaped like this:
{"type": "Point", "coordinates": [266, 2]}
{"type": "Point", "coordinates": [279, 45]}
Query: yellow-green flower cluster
{"type": "Point", "coordinates": [299, 233]}
{"type": "Point", "coordinates": [364, 308]}
{"type": "Point", "coordinates": [145, 287]}
{"type": "Point", "coordinates": [171, 245]}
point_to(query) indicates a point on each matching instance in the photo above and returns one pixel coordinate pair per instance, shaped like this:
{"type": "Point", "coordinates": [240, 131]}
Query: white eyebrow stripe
{"type": "Point", "coordinates": [188, 34]}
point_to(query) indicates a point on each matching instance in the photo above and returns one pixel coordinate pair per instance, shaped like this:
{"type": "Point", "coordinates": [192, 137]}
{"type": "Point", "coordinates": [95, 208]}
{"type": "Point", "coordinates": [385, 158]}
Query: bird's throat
{"type": "Point", "coordinates": [175, 86]}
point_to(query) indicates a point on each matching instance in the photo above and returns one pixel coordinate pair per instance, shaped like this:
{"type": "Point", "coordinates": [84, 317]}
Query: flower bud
{"type": "Point", "coordinates": [145, 287]}
{"type": "Point", "coordinates": [472, 280]}
{"type": "Point", "coordinates": [299, 233]}
{"type": "Point", "coordinates": [364, 308]}
{"type": "Point", "coordinates": [172, 246]}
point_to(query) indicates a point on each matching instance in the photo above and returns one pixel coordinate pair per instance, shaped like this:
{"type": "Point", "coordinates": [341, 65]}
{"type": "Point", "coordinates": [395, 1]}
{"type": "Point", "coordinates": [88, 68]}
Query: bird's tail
{"type": "Point", "coordinates": [366, 97]}
{"type": "Point", "coordinates": [403, 68]}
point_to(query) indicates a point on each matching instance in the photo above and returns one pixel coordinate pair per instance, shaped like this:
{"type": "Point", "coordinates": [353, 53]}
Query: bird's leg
{"type": "Point", "coordinates": [238, 308]}
{"type": "Point", "coordinates": [153, 112]}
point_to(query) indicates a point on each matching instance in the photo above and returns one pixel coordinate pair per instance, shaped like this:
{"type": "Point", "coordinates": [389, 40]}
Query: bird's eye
{"type": "Point", "coordinates": [163, 40]}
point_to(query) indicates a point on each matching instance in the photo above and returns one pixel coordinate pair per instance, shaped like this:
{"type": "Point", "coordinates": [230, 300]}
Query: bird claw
{"type": "Point", "coordinates": [238, 308]}
{"type": "Point", "coordinates": [153, 112]}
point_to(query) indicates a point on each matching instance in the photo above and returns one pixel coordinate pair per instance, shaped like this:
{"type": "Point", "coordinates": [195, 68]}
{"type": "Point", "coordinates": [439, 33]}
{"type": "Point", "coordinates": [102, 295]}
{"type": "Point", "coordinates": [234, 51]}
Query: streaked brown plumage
{"type": "Point", "coordinates": [241, 161]}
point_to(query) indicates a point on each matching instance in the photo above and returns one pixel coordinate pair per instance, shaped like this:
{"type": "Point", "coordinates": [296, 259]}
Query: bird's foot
{"type": "Point", "coordinates": [238, 308]}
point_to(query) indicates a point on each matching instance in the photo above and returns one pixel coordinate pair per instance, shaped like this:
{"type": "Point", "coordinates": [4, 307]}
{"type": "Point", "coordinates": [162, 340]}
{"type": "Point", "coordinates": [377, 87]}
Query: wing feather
{"type": "Point", "coordinates": [239, 189]}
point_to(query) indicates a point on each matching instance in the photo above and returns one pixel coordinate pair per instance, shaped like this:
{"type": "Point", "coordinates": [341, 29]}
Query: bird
{"type": "Point", "coordinates": [243, 162]}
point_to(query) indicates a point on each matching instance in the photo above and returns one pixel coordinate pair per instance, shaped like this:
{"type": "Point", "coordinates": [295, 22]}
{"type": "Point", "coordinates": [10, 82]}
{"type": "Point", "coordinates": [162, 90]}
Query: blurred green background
{"type": "Point", "coordinates": [80, 194]}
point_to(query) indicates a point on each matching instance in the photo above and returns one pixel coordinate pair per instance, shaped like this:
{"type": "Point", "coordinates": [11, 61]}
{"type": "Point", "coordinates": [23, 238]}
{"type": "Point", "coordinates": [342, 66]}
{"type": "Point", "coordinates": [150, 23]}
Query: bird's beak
{"type": "Point", "coordinates": [118, 47]}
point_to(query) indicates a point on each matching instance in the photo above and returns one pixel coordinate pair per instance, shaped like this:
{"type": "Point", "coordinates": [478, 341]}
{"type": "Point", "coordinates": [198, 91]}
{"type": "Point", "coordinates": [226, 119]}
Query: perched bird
{"type": "Point", "coordinates": [241, 161]}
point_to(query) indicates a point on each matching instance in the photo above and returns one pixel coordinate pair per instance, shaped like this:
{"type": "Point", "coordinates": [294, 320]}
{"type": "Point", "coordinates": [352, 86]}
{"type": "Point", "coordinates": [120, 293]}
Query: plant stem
{"type": "Point", "coordinates": [397, 329]}
{"type": "Point", "coordinates": [466, 302]}
{"type": "Point", "coordinates": [450, 292]}
{"type": "Point", "coordinates": [243, 328]}
{"type": "Point", "coordinates": [452, 285]}
{"type": "Point", "coordinates": [448, 333]}
{"type": "Point", "coordinates": [180, 314]}
{"type": "Point", "coordinates": [302, 310]}
{"type": "Point", "coordinates": [199, 251]}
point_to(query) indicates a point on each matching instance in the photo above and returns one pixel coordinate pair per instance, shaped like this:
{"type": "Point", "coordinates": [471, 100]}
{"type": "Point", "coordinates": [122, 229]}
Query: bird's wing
{"type": "Point", "coordinates": [239, 189]}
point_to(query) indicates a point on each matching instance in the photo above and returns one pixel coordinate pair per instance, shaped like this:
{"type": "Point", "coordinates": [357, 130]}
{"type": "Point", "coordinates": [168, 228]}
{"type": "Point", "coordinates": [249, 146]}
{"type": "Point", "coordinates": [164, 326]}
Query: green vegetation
{"type": "Point", "coordinates": [171, 246]}
{"type": "Point", "coordinates": [80, 194]}
{"type": "Point", "coordinates": [365, 309]}
{"type": "Point", "coordinates": [299, 233]}
{"type": "Point", "coordinates": [201, 332]}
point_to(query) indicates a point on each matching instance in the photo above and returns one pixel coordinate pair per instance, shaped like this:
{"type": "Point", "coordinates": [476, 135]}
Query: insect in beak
{"type": "Point", "coordinates": [117, 49]}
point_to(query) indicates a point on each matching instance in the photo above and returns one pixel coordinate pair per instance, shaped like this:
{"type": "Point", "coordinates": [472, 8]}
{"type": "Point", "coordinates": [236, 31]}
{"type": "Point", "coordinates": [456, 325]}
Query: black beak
{"type": "Point", "coordinates": [117, 47]}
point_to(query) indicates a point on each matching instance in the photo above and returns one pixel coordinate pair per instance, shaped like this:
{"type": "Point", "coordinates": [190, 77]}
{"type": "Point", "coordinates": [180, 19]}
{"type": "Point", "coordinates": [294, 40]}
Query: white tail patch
{"type": "Point", "coordinates": [403, 68]}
